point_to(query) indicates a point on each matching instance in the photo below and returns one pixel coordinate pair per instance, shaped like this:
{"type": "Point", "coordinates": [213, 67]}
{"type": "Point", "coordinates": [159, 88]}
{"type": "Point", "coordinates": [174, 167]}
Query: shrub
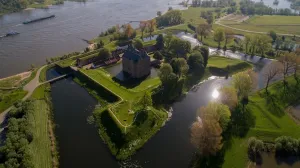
{"type": "Point", "coordinates": [158, 55]}
{"type": "Point", "coordinates": [286, 146]}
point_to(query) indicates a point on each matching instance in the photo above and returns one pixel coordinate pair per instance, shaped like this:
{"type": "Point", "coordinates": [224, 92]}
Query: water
{"type": "Point", "coordinates": [269, 160]}
{"type": "Point", "coordinates": [282, 4]}
{"type": "Point", "coordinates": [116, 71]}
{"type": "Point", "coordinates": [79, 143]}
{"type": "Point", "coordinates": [63, 34]}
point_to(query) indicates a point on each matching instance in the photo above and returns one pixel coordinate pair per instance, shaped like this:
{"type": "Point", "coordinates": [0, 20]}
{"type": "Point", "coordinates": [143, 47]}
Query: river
{"type": "Point", "coordinates": [63, 34]}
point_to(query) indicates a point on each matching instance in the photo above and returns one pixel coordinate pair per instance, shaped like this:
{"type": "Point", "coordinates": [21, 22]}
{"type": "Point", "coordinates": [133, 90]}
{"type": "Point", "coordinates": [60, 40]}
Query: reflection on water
{"type": "Point", "coordinates": [215, 94]}
{"type": "Point", "coordinates": [268, 160]}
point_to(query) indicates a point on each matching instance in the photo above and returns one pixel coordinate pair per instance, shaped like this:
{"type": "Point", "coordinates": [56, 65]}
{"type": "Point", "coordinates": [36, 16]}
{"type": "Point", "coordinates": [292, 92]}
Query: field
{"type": "Point", "coordinates": [266, 23]}
{"type": "Point", "coordinates": [8, 98]}
{"type": "Point", "coordinates": [40, 147]}
{"type": "Point", "coordinates": [269, 119]}
{"type": "Point", "coordinates": [192, 15]}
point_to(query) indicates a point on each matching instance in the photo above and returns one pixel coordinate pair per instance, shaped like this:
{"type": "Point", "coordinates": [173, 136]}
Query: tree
{"type": "Point", "coordinates": [264, 43]}
{"type": "Point", "coordinates": [219, 111]}
{"type": "Point", "coordinates": [158, 13]}
{"type": "Point", "coordinates": [206, 135]}
{"type": "Point", "coordinates": [228, 96]}
{"type": "Point", "coordinates": [179, 47]}
{"type": "Point", "coordinates": [296, 68]}
{"type": "Point", "coordinates": [228, 36]}
{"type": "Point", "coordinates": [255, 146]}
{"type": "Point", "coordinates": [138, 44]}
{"type": "Point", "coordinates": [243, 84]}
{"type": "Point", "coordinates": [146, 100]}
{"type": "Point", "coordinates": [287, 64]}
{"type": "Point", "coordinates": [180, 66]}
{"type": "Point", "coordinates": [247, 42]}
{"type": "Point", "coordinates": [210, 19]}
{"type": "Point", "coordinates": [219, 36]}
{"type": "Point", "coordinates": [158, 55]}
{"type": "Point", "coordinates": [254, 44]}
{"type": "Point", "coordinates": [205, 53]}
{"type": "Point", "coordinates": [143, 26]}
{"type": "Point", "coordinates": [203, 30]}
{"type": "Point", "coordinates": [167, 41]}
{"type": "Point", "coordinates": [32, 66]}
{"type": "Point", "coordinates": [104, 53]}
{"type": "Point", "coordinates": [128, 31]}
{"type": "Point", "coordinates": [151, 26]}
{"type": "Point", "coordinates": [164, 72]}
{"type": "Point", "coordinates": [273, 35]}
{"type": "Point", "coordinates": [159, 42]}
{"type": "Point", "coordinates": [196, 62]}
{"type": "Point", "coordinates": [270, 72]}
{"type": "Point", "coordinates": [171, 18]}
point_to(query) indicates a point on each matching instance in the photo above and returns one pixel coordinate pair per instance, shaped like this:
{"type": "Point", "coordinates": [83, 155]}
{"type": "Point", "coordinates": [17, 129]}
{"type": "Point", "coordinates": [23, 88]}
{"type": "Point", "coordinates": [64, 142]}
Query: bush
{"type": "Point", "coordinates": [104, 53]}
{"type": "Point", "coordinates": [287, 146]}
{"type": "Point", "coordinates": [158, 55]}
{"type": "Point", "coordinates": [255, 146]}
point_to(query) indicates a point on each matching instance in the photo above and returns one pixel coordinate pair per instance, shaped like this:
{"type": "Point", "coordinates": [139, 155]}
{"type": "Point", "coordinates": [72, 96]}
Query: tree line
{"type": "Point", "coordinates": [249, 7]}
{"type": "Point", "coordinates": [7, 6]}
{"type": "Point", "coordinates": [18, 137]}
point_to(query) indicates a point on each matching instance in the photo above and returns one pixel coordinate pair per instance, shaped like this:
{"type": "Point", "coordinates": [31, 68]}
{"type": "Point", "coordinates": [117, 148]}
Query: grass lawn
{"type": "Point", "coordinates": [105, 79]}
{"type": "Point", "coordinates": [271, 120]}
{"type": "Point", "coordinates": [8, 98]}
{"type": "Point", "coordinates": [280, 24]}
{"type": "Point", "coordinates": [192, 15]}
{"type": "Point", "coordinates": [40, 147]}
{"type": "Point", "coordinates": [10, 82]}
{"type": "Point", "coordinates": [209, 41]}
{"type": "Point", "coordinates": [66, 63]}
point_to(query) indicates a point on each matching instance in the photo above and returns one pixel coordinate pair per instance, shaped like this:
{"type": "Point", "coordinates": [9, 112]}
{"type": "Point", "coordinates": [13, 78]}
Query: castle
{"type": "Point", "coordinates": [136, 63]}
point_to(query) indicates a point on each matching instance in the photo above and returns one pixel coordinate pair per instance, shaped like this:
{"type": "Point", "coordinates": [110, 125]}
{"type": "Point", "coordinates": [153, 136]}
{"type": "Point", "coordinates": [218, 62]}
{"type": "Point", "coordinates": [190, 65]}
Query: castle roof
{"type": "Point", "coordinates": [133, 54]}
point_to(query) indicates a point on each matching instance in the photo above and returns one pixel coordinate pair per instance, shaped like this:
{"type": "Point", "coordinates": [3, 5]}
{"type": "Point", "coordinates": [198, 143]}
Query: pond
{"type": "Point", "coordinates": [281, 5]}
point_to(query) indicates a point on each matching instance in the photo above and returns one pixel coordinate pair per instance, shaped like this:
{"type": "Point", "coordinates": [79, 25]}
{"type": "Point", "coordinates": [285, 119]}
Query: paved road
{"type": "Point", "coordinates": [29, 87]}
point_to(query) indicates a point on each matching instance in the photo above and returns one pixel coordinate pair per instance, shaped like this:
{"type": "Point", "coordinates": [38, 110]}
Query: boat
{"type": "Point", "coordinates": [12, 33]}
{"type": "Point", "coordinates": [38, 19]}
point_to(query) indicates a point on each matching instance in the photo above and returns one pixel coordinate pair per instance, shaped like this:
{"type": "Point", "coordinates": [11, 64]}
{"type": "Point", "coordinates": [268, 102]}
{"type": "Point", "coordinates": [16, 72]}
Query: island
{"type": "Point", "coordinates": [136, 75]}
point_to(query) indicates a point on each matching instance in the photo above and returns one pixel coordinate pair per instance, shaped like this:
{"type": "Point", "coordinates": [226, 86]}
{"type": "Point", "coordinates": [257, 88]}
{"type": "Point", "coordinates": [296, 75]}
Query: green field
{"type": "Point", "coordinates": [8, 98]}
{"type": "Point", "coordinates": [266, 23]}
{"type": "Point", "coordinates": [270, 120]}
{"type": "Point", "coordinates": [40, 147]}
{"type": "Point", "coordinates": [10, 82]}
{"type": "Point", "coordinates": [192, 15]}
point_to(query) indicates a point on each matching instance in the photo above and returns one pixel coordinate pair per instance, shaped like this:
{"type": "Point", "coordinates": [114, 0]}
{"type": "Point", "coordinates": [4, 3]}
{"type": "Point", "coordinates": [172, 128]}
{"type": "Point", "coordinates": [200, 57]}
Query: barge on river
{"type": "Point", "coordinates": [38, 19]}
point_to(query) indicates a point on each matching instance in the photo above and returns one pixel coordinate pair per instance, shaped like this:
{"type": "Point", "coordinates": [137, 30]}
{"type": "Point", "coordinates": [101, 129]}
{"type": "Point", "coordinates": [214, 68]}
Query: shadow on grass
{"type": "Point", "coordinates": [127, 82]}
{"type": "Point", "coordinates": [112, 130]}
{"type": "Point", "coordinates": [141, 117]}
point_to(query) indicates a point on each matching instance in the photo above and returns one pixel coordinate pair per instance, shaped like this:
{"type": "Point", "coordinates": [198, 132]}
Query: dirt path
{"type": "Point", "coordinates": [250, 31]}
{"type": "Point", "coordinates": [29, 87]}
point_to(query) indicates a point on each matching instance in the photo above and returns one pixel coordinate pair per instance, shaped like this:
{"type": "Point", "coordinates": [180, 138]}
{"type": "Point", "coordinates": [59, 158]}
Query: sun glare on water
{"type": "Point", "coordinates": [215, 94]}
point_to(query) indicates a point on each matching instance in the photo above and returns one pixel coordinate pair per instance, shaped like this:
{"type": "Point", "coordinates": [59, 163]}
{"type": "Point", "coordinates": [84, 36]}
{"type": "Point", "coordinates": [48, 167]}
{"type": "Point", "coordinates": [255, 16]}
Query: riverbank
{"type": "Point", "coordinates": [266, 119]}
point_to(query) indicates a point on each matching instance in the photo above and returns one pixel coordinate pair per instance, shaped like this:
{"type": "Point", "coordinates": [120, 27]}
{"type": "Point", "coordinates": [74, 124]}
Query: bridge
{"type": "Point", "coordinates": [54, 79]}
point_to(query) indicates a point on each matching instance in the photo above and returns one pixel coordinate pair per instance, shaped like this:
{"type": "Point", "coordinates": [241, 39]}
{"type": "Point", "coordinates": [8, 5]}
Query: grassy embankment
{"type": "Point", "coordinates": [221, 66]}
{"type": "Point", "coordinates": [266, 23]}
{"type": "Point", "coordinates": [45, 4]}
{"type": "Point", "coordinates": [269, 120]}
{"type": "Point", "coordinates": [9, 96]}
{"type": "Point", "coordinates": [43, 146]}
{"type": "Point", "coordinates": [124, 130]}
